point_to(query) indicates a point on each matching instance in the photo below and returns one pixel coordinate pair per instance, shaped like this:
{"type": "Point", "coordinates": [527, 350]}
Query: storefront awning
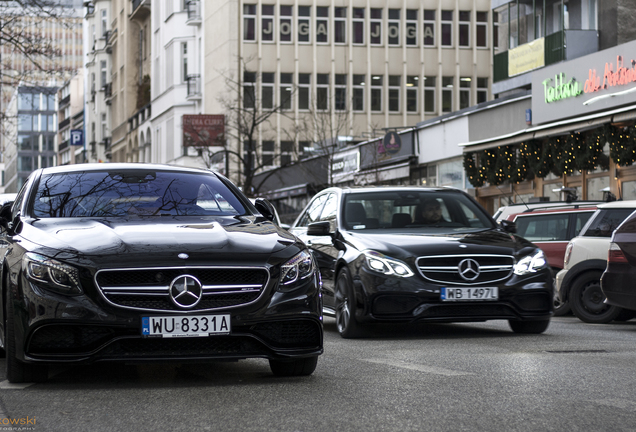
{"type": "Point", "coordinates": [552, 129]}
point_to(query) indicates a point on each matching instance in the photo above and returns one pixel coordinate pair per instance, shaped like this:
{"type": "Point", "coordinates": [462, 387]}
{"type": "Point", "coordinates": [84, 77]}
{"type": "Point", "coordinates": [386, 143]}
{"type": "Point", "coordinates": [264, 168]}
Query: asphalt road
{"type": "Point", "coordinates": [443, 377]}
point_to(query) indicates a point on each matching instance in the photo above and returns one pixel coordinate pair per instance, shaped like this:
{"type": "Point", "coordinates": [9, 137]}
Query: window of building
{"type": "Point", "coordinates": [285, 24]}
{"type": "Point", "coordinates": [25, 142]}
{"type": "Point", "coordinates": [93, 36]}
{"type": "Point", "coordinates": [394, 93]}
{"type": "Point", "coordinates": [304, 91]}
{"type": "Point", "coordinates": [429, 94]}
{"type": "Point", "coordinates": [376, 92]}
{"type": "Point", "coordinates": [25, 163]}
{"type": "Point", "coordinates": [464, 92]}
{"type": "Point", "coordinates": [429, 27]}
{"type": "Point", "coordinates": [358, 26]}
{"type": "Point", "coordinates": [103, 73]}
{"type": "Point", "coordinates": [482, 29]}
{"type": "Point", "coordinates": [322, 91]}
{"type": "Point", "coordinates": [375, 26]}
{"type": "Point", "coordinates": [50, 121]}
{"type": "Point", "coordinates": [464, 28]}
{"type": "Point", "coordinates": [447, 94]}
{"type": "Point", "coordinates": [393, 27]}
{"type": "Point", "coordinates": [482, 90]}
{"type": "Point", "coordinates": [46, 161]}
{"type": "Point", "coordinates": [249, 89]}
{"type": "Point", "coordinates": [411, 27]}
{"type": "Point", "coordinates": [322, 24]}
{"type": "Point", "coordinates": [304, 25]}
{"type": "Point", "coordinates": [286, 81]}
{"type": "Point", "coordinates": [268, 153]}
{"type": "Point", "coordinates": [286, 152]}
{"type": "Point", "coordinates": [412, 83]}
{"type": "Point", "coordinates": [51, 102]}
{"type": "Point", "coordinates": [25, 122]}
{"type": "Point", "coordinates": [341, 92]}
{"type": "Point", "coordinates": [49, 143]}
{"type": "Point", "coordinates": [447, 28]}
{"type": "Point", "coordinates": [104, 19]}
{"type": "Point", "coordinates": [340, 25]}
{"type": "Point", "coordinates": [25, 101]}
{"type": "Point", "coordinates": [104, 126]}
{"type": "Point", "coordinates": [184, 61]}
{"type": "Point", "coordinates": [495, 30]}
{"type": "Point", "coordinates": [267, 90]}
{"type": "Point", "coordinates": [358, 92]}
{"type": "Point", "coordinates": [267, 23]}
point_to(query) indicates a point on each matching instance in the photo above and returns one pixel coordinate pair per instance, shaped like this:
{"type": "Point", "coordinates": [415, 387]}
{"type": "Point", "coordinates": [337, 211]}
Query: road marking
{"type": "Point", "coordinates": [6, 385]}
{"type": "Point", "coordinates": [418, 367]}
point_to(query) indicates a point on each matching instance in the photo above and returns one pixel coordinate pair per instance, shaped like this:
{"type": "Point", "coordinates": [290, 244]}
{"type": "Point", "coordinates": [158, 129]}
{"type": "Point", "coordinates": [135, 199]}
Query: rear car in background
{"type": "Point", "coordinates": [142, 263]}
{"type": "Point", "coordinates": [412, 254]}
{"type": "Point", "coordinates": [579, 283]}
{"type": "Point", "coordinates": [551, 229]}
{"type": "Point", "coordinates": [619, 279]}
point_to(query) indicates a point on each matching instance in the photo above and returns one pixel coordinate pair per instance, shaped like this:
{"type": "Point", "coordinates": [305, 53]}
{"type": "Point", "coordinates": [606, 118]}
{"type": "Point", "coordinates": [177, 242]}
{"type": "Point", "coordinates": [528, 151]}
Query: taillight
{"type": "Point", "coordinates": [615, 254]}
{"type": "Point", "coordinates": [568, 251]}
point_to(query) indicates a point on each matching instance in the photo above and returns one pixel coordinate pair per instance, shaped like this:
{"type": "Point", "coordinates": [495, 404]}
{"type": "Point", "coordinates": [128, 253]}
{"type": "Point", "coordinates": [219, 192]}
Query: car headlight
{"type": "Point", "coordinates": [52, 274]}
{"type": "Point", "coordinates": [388, 266]}
{"type": "Point", "coordinates": [300, 267]}
{"type": "Point", "coordinates": [531, 263]}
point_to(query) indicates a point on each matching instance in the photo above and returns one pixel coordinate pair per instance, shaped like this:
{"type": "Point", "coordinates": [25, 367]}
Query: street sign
{"type": "Point", "coordinates": [77, 137]}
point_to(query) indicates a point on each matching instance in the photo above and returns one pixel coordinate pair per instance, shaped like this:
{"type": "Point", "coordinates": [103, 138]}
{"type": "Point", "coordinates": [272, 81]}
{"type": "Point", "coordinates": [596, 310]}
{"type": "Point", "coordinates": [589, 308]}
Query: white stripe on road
{"type": "Point", "coordinates": [418, 367]}
{"type": "Point", "coordinates": [6, 385]}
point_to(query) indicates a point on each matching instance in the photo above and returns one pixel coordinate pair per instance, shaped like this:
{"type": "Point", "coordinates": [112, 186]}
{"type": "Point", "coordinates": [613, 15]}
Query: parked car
{"type": "Point", "coordinates": [380, 260]}
{"type": "Point", "coordinates": [618, 279]}
{"type": "Point", "coordinates": [505, 211]}
{"type": "Point", "coordinates": [579, 283]}
{"type": "Point", "coordinates": [551, 229]}
{"type": "Point", "coordinates": [273, 210]}
{"type": "Point", "coordinates": [141, 262]}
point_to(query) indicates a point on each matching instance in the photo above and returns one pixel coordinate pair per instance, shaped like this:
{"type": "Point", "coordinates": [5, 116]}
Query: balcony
{"type": "Point", "coordinates": [65, 101]}
{"type": "Point", "coordinates": [108, 92]}
{"type": "Point", "coordinates": [560, 46]}
{"type": "Point", "coordinates": [140, 9]}
{"type": "Point", "coordinates": [194, 12]}
{"type": "Point", "coordinates": [61, 125]}
{"type": "Point", "coordinates": [63, 146]}
{"type": "Point", "coordinates": [194, 87]}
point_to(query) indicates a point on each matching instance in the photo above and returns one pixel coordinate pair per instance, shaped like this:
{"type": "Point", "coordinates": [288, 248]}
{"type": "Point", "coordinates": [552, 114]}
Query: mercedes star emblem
{"type": "Point", "coordinates": [186, 291]}
{"type": "Point", "coordinates": [468, 269]}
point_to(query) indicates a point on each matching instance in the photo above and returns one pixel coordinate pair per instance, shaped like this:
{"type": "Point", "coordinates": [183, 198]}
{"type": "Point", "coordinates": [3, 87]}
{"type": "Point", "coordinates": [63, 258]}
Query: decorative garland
{"type": "Point", "coordinates": [622, 144]}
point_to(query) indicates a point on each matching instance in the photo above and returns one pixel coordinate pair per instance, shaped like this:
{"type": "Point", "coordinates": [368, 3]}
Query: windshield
{"type": "Point", "coordinates": [133, 192]}
{"type": "Point", "coordinates": [413, 211]}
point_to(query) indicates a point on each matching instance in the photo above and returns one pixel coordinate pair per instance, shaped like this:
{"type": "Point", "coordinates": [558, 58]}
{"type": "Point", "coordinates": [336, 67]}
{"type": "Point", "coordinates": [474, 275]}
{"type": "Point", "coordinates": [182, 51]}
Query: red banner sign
{"type": "Point", "coordinates": [203, 130]}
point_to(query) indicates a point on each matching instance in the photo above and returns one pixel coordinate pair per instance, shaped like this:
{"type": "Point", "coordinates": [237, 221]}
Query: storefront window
{"type": "Point", "coordinates": [549, 191]}
{"type": "Point", "coordinates": [629, 190]}
{"type": "Point", "coordinates": [451, 174]}
{"type": "Point", "coordinates": [596, 187]}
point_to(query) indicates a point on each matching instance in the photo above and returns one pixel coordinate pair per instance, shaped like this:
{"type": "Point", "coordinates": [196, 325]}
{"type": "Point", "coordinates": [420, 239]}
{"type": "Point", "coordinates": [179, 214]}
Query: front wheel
{"type": "Point", "coordinates": [588, 301]}
{"type": "Point", "coordinates": [348, 326]}
{"type": "Point", "coordinates": [298, 367]}
{"type": "Point", "coordinates": [529, 327]}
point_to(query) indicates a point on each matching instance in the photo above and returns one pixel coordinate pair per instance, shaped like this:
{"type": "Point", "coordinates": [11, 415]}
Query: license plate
{"type": "Point", "coordinates": [185, 326]}
{"type": "Point", "coordinates": [469, 294]}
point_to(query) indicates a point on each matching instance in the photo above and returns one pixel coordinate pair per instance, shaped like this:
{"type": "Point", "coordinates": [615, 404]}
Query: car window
{"type": "Point", "coordinates": [141, 192]}
{"type": "Point", "coordinates": [312, 214]}
{"type": "Point", "coordinates": [581, 220]}
{"type": "Point", "coordinates": [605, 221]}
{"type": "Point", "coordinates": [545, 227]}
{"type": "Point", "coordinates": [331, 208]}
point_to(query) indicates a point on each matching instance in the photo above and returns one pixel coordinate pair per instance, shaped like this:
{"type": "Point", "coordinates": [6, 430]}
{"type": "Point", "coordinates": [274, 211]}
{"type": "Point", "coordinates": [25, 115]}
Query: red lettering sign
{"type": "Point", "coordinates": [203, 130]}
{"type": "Point", "coordinates": [611, 78]}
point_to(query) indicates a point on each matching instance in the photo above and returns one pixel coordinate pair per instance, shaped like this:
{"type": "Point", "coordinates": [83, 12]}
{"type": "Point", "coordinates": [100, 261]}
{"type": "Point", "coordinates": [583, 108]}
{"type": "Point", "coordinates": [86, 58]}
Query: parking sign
{"type": "Point", "coordinates": [77, 137]}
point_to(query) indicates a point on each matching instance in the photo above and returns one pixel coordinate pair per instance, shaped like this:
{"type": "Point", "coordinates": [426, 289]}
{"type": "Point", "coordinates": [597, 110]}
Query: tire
{"type": "Point", "coordinates": [17, 371]}
{"type": "Point", "coordinates": [586, 300]}
{"type": "Point", "coordinates": [625, 315]}
{"type": "Point", "coordinates": [529, 327]}
{"type": "Point", "coordinates": [346, 322]}
{"type": "Point", "coordinates": [299, 367]}
{"type": "Point", "coordinates": [560, 307]}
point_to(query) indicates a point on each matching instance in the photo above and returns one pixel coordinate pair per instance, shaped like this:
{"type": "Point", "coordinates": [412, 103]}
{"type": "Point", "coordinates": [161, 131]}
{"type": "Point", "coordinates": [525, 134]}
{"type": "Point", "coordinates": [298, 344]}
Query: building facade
{"type": "Point", "coordinates": [70, 116]}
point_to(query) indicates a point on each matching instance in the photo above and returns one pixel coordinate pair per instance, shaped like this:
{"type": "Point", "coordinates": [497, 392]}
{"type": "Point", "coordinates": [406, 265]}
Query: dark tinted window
{"type": "Point", "coordinates": [546, 227]}
{"type": "Point", "coordinates": [140, 192]}
{"type": "Point", "coordinates": [605, 221]}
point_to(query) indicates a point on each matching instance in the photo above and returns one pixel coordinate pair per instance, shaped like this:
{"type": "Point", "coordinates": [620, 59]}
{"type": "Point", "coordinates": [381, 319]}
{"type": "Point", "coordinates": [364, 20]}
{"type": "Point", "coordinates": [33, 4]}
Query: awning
{"type": "Point", "coordinates": [552, 129]}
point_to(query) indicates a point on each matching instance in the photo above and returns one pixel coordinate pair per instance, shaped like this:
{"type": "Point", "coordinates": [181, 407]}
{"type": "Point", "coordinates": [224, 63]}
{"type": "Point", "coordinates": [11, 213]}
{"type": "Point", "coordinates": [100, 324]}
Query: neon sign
{"type": "Point", "coordinates": [561, 89]}
{"type": "Point", "coordinates": [622, 76]}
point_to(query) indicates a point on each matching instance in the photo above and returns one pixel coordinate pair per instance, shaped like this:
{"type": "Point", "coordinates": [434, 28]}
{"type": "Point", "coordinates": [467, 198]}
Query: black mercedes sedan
{"type": "Point", "coordinates": [141, 263]}
{"type": "Point", "coordinates": [412, 254]}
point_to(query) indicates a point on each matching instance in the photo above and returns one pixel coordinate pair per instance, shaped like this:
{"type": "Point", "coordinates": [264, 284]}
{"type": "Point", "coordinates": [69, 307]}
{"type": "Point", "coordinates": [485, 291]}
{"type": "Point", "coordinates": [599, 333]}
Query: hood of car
{"type": "Point", "coordinates": [101, 240]}
{"type": "Point", "coordinates": [404, 245]}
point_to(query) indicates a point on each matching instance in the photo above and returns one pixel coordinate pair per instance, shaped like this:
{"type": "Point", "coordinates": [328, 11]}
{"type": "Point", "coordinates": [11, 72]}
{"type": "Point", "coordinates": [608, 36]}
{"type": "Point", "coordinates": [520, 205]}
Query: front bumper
{"type": "Point", "coordinates": [53, 328]}
{"type": "Point", "coordinates": [384, 299]}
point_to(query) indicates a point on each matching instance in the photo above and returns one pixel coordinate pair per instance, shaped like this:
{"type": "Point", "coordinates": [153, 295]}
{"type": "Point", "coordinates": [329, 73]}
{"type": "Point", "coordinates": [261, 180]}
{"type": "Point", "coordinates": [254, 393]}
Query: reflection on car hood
{"type": "Point", "coordinates": [109, 238]}
{"type": "Point", "coordinates": [403, 245]}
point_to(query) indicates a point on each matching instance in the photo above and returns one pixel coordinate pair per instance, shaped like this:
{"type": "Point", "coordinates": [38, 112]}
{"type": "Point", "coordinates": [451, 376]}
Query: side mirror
{"type": "Point", "coordinates": [265, 208]}
{"type": "Point", "coordinates": [319, 228]}
{"type": "Point", "coordinates": [5, 215]}
{"type": "Point", "coordinates": [508, 226]}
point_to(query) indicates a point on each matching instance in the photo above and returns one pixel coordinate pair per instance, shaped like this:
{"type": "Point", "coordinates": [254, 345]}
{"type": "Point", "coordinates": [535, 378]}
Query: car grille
{"type": "Point", "coordinates": [149, 289]}
{"type": "Point", "coordinates": [445, 268]}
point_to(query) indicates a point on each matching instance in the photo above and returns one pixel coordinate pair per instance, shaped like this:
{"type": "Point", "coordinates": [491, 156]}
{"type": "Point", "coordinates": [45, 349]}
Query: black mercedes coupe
{"type": "Point", "coordinates": [141, 262]}
{"type": "Point", "coordinates": [413, 254]}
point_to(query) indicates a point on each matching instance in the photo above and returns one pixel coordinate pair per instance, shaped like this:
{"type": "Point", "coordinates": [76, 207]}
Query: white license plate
{"type": "Point", "coordinates": [185, 326]}
{"type": "Point", "coordinates": [469, 294]}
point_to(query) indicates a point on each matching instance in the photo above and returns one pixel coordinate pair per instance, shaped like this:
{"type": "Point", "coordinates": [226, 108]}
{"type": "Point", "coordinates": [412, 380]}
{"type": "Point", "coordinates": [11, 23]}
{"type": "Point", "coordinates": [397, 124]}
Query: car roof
{"type": "Point", "coordinates": [504, 212]}
{"type": "Point", "coordinates": [619, 204]}
{"type": "Point", "coordinates": [119, 166]}
{"type": "Point", "coordinates": [556, 210]}
{"type": "Point", "coordinates": [365, 189]}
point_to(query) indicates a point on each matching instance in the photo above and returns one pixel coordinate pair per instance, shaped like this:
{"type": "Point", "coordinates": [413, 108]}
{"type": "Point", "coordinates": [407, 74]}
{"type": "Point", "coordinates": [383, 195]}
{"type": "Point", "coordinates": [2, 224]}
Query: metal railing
{"type": "Point", "coordinates": [194, 85]}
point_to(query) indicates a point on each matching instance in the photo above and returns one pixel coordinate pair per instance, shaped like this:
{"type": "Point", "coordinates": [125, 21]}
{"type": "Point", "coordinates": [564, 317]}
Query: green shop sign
{"type": "Point", "coordinates": [560, 89]}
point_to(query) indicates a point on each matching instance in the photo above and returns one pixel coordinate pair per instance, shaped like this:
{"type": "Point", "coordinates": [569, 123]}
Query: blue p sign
{"type": "Point", "coordinates": [77, 137]}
